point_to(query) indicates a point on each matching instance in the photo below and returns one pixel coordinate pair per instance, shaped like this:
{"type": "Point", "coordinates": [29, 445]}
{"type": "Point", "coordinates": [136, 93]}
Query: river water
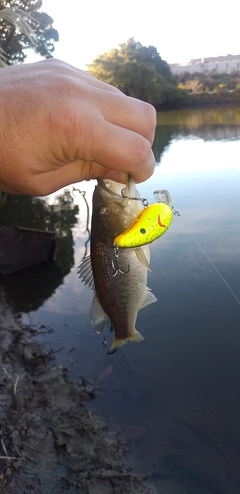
{"type": "Point", "coordinates": [175, 398]}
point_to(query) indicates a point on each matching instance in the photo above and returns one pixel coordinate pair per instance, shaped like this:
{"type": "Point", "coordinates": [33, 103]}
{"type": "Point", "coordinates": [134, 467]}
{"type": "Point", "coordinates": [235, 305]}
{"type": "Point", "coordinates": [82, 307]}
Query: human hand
{"type": "Point", "coordinates": [60, 125]}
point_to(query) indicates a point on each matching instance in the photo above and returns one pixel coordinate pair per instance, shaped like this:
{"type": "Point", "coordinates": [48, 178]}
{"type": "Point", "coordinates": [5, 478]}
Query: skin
{"type": "Point", "coordinates": [60, 125]}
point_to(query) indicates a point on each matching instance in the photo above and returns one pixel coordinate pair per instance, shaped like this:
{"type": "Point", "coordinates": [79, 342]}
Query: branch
{"type": "Point", "coordinates": [20, 20]}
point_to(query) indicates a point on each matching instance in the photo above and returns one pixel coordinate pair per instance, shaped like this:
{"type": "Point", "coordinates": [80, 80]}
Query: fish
{"type": "Point", "coordinates": [117, 276]}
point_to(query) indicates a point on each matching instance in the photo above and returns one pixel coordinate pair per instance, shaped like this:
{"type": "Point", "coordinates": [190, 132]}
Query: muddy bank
{"type": "Point", "coordinates": [49, 441]}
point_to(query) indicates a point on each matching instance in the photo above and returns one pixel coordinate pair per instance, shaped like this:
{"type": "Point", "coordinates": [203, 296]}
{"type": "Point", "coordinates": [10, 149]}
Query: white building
{"type": "Point", "coordinates": [227, 64]}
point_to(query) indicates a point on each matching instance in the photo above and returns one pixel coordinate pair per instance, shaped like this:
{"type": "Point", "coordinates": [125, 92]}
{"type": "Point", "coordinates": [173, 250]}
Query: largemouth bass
{"type": "Point", "coordinates": [118, 276]}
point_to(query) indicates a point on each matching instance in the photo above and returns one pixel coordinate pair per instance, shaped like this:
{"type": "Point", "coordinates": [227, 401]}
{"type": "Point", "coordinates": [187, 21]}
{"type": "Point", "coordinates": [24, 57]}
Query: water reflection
{"type": "Point", "coordinates": [163, 137]}
{"type": "Point", "coordinates": [27, 290]}
{"type": "Point", "coordinates": [175, 398]}
{"type": "Point", "coordinates": [208, 124]}
{"type": "Point", "coordinates": [202, 117]}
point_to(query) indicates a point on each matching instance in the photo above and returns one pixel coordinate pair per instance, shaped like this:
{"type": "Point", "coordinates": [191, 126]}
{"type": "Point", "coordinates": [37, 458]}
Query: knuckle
{"type": "Point", "coordinates": [54, 62]}
{"type": "Point", "coordinates": [63, 85]}
{"type": "Point", "coordinates": [141, 150]}
{"type": "Point", "coordinates": [150, 114]}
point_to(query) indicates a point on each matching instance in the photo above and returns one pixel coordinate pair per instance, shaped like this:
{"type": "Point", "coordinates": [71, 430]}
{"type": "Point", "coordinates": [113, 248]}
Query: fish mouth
{"type": "Point", "coordinates": [108, 185]}
{"type": "Point", "coordinates": [119, 190]}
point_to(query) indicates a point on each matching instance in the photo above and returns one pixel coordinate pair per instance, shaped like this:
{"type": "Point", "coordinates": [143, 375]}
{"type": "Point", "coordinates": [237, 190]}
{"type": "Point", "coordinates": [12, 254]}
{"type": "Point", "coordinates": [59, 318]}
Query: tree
{"type": "Point", "coordinates": [192, 85]}
{"type": "Point", "coordinates": [13, 41]}
{"type": "Point", "coordinates": [137, 71]}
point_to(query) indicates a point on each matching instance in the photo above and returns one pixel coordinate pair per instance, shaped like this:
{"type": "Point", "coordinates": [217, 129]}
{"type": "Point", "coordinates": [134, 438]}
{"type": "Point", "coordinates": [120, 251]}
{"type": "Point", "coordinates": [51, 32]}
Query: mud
{"type": "Point", "coordinates": [49, 441]}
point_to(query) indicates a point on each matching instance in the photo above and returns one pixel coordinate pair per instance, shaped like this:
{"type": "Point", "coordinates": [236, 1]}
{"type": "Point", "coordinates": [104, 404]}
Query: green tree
{"type": "Point", "coordinates": [14, 42]}
{"type": "Point", "coordinates": [137, 71]}
{"type": "Point", "coordinates": [220, 88]}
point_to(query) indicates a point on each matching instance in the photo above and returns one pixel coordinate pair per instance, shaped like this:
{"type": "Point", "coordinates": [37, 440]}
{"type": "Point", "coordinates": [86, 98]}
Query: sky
{"type": "Point", "coordinates": [180, 30]}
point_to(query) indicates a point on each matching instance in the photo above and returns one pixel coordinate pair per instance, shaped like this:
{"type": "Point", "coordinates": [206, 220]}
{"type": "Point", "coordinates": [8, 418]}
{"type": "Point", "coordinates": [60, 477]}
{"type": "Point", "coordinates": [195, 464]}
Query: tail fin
{"type": "Point", "coordinates": [137, 337]}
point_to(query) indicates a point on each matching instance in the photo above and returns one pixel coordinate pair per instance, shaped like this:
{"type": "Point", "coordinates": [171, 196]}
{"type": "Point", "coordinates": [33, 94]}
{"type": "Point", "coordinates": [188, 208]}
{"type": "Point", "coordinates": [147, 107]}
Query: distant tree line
{"type": "Point", "coordinates": [208, 82]}
{"type": "Point", "coordinates": [138, 71]}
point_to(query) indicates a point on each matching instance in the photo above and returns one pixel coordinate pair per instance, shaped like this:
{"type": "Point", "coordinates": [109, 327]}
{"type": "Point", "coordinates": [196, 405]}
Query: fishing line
{"type": "Point", "coordinates": [219, 274]}
{"type": "Point", "coordinates": [163, 195]}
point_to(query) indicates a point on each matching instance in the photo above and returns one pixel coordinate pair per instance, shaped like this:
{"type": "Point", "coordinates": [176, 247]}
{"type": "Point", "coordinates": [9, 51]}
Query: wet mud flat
{"type": "Point", "coordinates": [49, 441]}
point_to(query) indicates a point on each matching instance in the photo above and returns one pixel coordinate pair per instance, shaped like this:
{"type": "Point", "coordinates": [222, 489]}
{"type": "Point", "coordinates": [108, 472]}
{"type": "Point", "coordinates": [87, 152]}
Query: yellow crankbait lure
{"type": "Point", "coordinates": [151, 223]}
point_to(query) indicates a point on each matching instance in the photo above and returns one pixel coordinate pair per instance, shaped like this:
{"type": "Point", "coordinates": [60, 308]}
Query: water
{"type": "Point", "coordinates": [175, 398]}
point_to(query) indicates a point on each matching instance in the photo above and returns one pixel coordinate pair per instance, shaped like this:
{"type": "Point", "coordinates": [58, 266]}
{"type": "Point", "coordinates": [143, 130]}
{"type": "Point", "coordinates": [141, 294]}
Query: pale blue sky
{"type": "Point", "coordinates": [180, 30]}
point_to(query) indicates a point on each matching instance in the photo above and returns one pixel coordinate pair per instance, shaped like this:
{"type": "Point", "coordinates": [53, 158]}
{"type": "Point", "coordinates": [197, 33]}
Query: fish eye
{"type": "Point", "coordinates": [104, 210]}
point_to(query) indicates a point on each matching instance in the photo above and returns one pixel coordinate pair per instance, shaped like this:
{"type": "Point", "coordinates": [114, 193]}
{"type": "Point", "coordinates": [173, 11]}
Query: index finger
{"type": "Point", "coordinates": [121, 150]}
{"type": "Point", "coordinates": [127, 112]}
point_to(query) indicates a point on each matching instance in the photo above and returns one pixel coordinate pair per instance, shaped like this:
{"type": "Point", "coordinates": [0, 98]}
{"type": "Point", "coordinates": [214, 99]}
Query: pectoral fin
{"type": "Point", "coordinates": [143, 258]}
{"type": "Point", "coordinates": [98, 317]}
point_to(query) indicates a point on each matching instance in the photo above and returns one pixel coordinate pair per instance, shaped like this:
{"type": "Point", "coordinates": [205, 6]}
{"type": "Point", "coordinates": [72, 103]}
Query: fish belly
{"type": "Point", "coordinates": [120, 292]}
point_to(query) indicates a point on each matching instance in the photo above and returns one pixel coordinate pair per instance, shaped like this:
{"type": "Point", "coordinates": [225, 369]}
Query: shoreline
{"type": "Point", "coordinates": [202, 101]}
{"type": "Point", "coordinates": [50, 442]}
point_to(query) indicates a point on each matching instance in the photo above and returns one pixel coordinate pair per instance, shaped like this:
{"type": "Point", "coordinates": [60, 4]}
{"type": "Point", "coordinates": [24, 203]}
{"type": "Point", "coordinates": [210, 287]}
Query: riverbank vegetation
{"type": "Point", "coordinates": [210, 88]}
{"type": "Point", "coordinates": [209, 82]}
{"type": "Point", "coordinates": [139, 71]}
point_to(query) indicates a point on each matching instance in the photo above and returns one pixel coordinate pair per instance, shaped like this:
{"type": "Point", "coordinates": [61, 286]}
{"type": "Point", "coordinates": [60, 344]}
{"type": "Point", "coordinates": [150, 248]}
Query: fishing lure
{"type": "Point", "coordinates": [152, 222]}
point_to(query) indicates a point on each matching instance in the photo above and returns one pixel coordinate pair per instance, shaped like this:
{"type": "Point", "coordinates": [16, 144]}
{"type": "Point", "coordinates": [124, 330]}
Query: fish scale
{"type": "Point", "coordinates": [119, 279]}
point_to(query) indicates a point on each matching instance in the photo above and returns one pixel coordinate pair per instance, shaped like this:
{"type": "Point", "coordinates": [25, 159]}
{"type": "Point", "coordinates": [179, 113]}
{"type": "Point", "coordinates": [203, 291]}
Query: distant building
{"type": "Point", "coordinates": [220, 65]}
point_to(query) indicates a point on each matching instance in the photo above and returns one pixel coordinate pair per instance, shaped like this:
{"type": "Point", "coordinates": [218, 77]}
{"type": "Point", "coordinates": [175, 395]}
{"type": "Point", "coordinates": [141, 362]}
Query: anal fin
{"type": "Point", "coordinates": [149, 298]}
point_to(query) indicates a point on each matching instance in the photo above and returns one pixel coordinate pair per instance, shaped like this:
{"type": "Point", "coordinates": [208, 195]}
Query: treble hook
{"type": "Point", "coordinates": [115, 265]}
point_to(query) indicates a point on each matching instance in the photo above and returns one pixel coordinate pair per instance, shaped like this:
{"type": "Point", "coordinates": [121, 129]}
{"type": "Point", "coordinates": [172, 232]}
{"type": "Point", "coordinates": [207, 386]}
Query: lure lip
{"type": "Point", "coordinates": [163, 192]}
